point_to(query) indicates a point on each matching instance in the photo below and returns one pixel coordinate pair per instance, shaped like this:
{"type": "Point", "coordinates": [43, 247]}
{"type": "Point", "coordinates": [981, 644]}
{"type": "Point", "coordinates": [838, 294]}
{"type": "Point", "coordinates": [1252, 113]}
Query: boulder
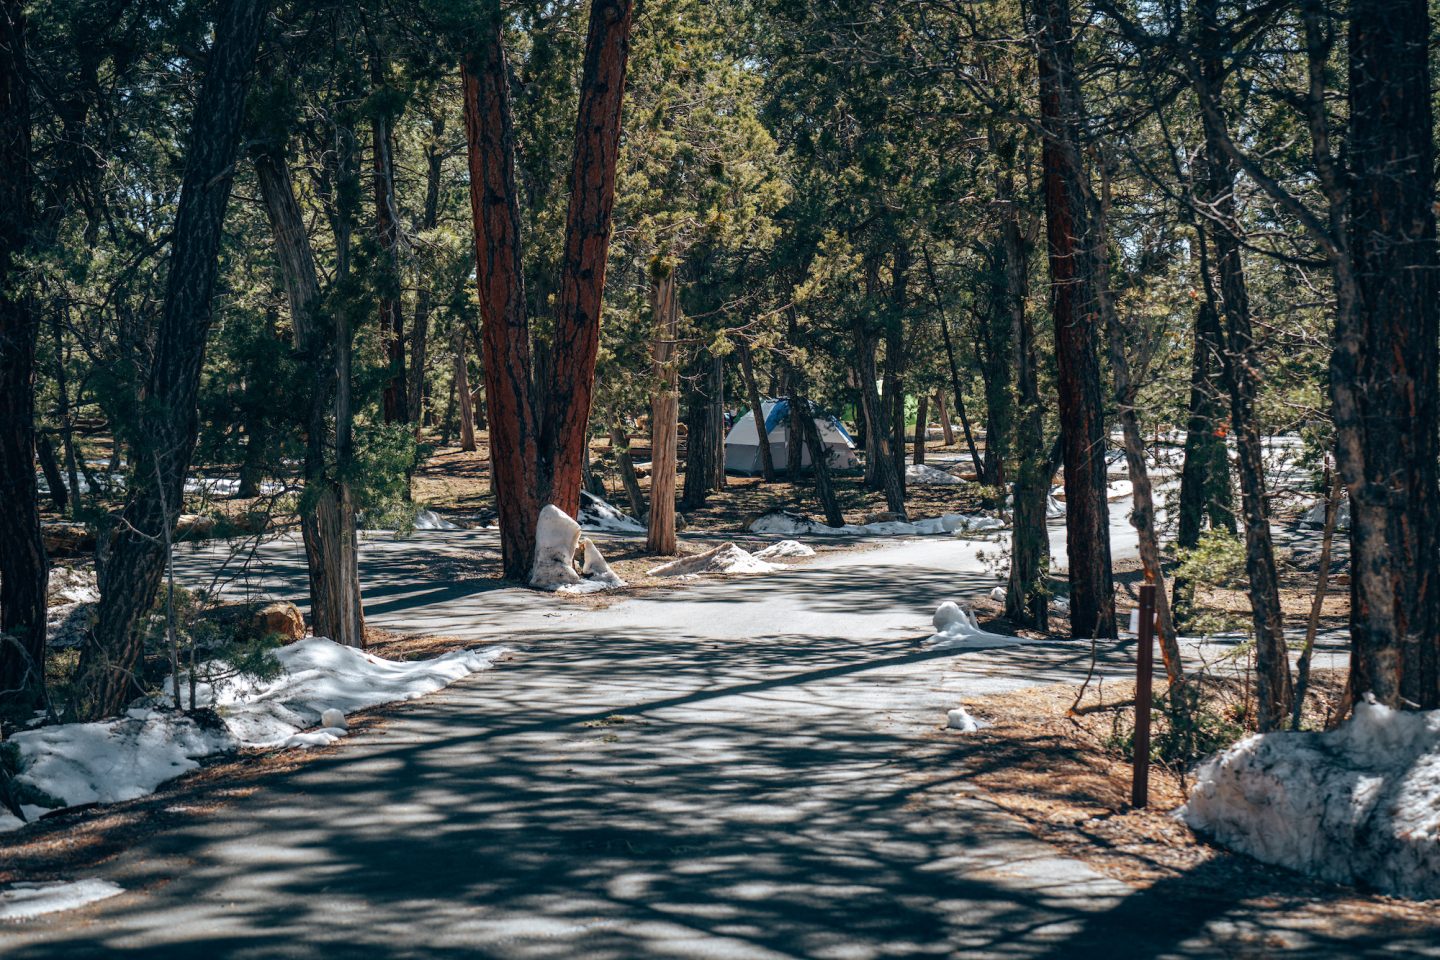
{"type": "Point", "coordinates": [280, 619]}
{"type": "Point", "coordinates": [193, 526]}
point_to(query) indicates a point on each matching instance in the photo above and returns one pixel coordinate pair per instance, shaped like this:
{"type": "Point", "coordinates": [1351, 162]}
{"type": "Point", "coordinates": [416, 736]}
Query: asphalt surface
{"type": "Point", "coordinates": [747, 769]}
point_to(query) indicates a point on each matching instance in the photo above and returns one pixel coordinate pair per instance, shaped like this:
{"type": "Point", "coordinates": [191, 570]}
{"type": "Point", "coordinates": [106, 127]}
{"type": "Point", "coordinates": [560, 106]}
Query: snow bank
{"type": "Point", "coordinates": [322, 681]}
{"type": "Point", "coordinates": [71, 596]}
{"type": "Point", "coordinates": [1360, 804]}
{"type": "Point", "coordinates": [72, 585]}
{"type": "Point", "coordinates": [785, 548]}
{"type": "Point", "coordinates": [1315, 516]}
{"type": "Point", "coordinates": [726, 558]}
{"type": "Point", "coordinates": [20, 901]}
{"type": "Point", "coordinates": [430, 520]}
{"type": "Point", "coordinates": [557, 537]}
{"type": "Point", "coordinates": [926, 475]}
{"type": "Point", "coordinates": [597, 574]}
{"type": "Point", "coordinates": [785, 523]}
{"type": "Point", "coordinates": [599, 516]}
{"type": "Point", "coordinates": [322, 675]}
{"type": "Point", "coordinates": [957, 629]}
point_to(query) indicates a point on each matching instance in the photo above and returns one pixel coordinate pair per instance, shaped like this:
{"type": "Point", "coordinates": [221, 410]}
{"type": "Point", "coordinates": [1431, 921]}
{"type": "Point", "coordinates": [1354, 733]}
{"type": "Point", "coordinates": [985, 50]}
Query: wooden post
{"type": "Point", "coordinates": [1144, 667]}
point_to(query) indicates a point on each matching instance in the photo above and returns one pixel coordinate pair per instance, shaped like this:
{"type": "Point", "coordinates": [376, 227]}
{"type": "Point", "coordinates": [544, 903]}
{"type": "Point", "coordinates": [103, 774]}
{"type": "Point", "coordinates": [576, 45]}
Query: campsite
{"type": "Point", "coordinates": [719, 478]}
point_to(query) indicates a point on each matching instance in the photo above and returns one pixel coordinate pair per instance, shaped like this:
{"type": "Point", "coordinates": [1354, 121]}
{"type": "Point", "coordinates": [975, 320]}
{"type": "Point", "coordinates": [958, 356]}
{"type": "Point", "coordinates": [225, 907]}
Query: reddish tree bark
{"type": "Point", "coordinates": [505, 333]}
{"type": "Point", "coordinates": [1076, 315]}
{"type": "Point", "coordinates": [565, 414]}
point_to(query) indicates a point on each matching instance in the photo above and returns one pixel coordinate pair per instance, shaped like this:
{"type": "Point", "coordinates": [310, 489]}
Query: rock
{"type": "Point", "coordinates": [281, 618]}
{"type": "Point", "coordinates": [557, 537]}
{"type": "Point", "coordinates": [193, 526]}
{"type": "Point", "coordinates": [67, 539]}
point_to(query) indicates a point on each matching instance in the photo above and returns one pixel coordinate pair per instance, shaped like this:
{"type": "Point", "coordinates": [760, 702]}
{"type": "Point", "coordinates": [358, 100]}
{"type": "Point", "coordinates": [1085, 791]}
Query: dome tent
{"type": "Point", "coordinates": [742, 444]}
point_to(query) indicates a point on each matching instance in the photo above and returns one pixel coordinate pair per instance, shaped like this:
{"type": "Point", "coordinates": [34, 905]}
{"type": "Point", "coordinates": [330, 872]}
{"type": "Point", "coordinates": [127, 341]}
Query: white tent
{"type": "Point", "coordinates": [742, 446]}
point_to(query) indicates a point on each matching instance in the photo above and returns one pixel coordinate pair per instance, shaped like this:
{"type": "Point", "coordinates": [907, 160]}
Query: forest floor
{"type": "Point", "coordinates": [748, 767]}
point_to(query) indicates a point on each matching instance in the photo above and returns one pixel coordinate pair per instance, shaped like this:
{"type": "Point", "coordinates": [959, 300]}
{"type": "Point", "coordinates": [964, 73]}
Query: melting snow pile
{"type": "Point", "coordinates": [322, 681]}
{"type": "Point", "coordinates": [430, 520]}
{"type": "Point", "coordinates": [957, 629]}
{"type": "Point", "coordinates": [785, 548]}
{"type": "Point", "coordinates": [926, 475]}
{"type": "Point", "coordinates": [785, 523]}
{"type": "Point", "coordinates": [557, 538]}
{"type": "Point", "coordinates": [22, 900]}
{"type": "Point", "coordinates": [726, 558]}
{"type": "Point", "coordinates": [598, 515]}
{"type": "Point", "coordinates": [960, 720]}
{"type": "Point", "coordinates": [1360, 804]}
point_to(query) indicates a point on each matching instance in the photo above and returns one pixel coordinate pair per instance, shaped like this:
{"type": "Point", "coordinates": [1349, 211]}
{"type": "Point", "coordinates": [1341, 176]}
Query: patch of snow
{"type": "Point", "coordinates": [785, 548]}
{"type": "Point", "coordinates": [726, 558]}
{"type": "Point", "coordinates": [430, 520]}
{"type": "Point", "coordinates": [1359, 804]}
{"type": "Point", "coordinates": [600, 516]}
{"type": "Point", "coordinates": [960, 720]}
{"type": "Point", "coordinates": [322, 675]}
{"type": "Point", "coordinates": [957, 629]}
{"type": "Point", "coordinates": [556, 539]}
{"type": "Point", "coordinates": [67, 623]}
{"type": "Point", "coordinates": [72, 585]}
{"type": "Point", "coordinates": [785, 523]}
{"type": "Point", "coordinates": [321, 682]}
{"type": "Point", "coordinates": [926, 475]}
{"type": "Point", "coordinates": [999, 594]}
{"type": "Point", "coordinates": [20, 901]}
{"type": "Point", "coordinates": [598, 577]}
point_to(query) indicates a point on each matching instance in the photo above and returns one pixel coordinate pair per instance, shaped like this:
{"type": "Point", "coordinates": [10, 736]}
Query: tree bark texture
{"type": "Point", "coordinates": [664, 415]}
{"type": "Point", "coordinates": [167, 420]}
{"type": "Point", "coordinates": [505, 339]}
{"type": "Point", "coordinates": [327, 519]}
{"type": "Point", "coordinates": [461, 368]}
{"type": "Point", "coordinates": [1073, 306]}
{"type": "Point", "coordinates": [1384, 365]}
{"type": "Point", "coordinates": [24, 567]}
{"type": "Point", "coordinates": [565, 411]}
{"type": "Point", "coordinates": [877, 437]}
{"type": "Point", "coordinates": [922, 416]}
{"type": "Point", "coordinates": [820, 462]}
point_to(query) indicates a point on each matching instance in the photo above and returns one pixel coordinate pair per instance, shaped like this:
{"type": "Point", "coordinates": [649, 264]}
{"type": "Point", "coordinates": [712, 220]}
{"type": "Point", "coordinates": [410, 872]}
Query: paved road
{"type": "Point", "coordinates": [777, 789]}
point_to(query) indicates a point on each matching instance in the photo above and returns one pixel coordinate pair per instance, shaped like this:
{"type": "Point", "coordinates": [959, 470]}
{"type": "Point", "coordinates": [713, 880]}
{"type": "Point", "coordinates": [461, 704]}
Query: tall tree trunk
{"type": "Point", "coordinates": [387, 233]}
{"type": "Point", "coordinates": [505, 339]}
{"type": "Point", "coordinates": [820, 462]}
{"type": "Point", "coordinates": [664, 414]}
{"type": "Point", "coordinates": [460, 366]}
{"type": "Point", "coordinates": [700, 409]}
{"type": "Point", "coordinates": [877, 447]}
{"type": "Point", "coordinates": [794, 430]}
{"type": "Point", "coordinates": [327, 522]}
{"type": "Point", "coordinates": [625, 464]}
{"type": "Point", "coordinates": [946, 427]}
{"type": "Point", "coordinates": [922, 415]}
{"type": "Point", "coordinates": [1074, 308]}
{"type": "Point", "coordinates": [67, 423]}
{"type": "Point", "coordinates": [895, 358]}
{"type": "Point", "coordinates": [420, 329]}
{"type": "Point", "coordinates": [564, 422]}
{"type": "Point", "coordinates": [168, 421]}
{"type": "Point", "coordinates": [23, 564]}
{"type": "Point", "coordinates": [45, 452]}
{"type": "Point", "coordinates": [1383, 370]}
{"type": "Point", "coordinates": [757, 407]}
{"type": "Point", "coordinates": [1242, 374]}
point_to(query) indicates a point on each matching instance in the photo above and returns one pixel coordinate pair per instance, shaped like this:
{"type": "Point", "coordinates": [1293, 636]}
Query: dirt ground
{"type": "Point", "coordinates": [1065, 772]}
